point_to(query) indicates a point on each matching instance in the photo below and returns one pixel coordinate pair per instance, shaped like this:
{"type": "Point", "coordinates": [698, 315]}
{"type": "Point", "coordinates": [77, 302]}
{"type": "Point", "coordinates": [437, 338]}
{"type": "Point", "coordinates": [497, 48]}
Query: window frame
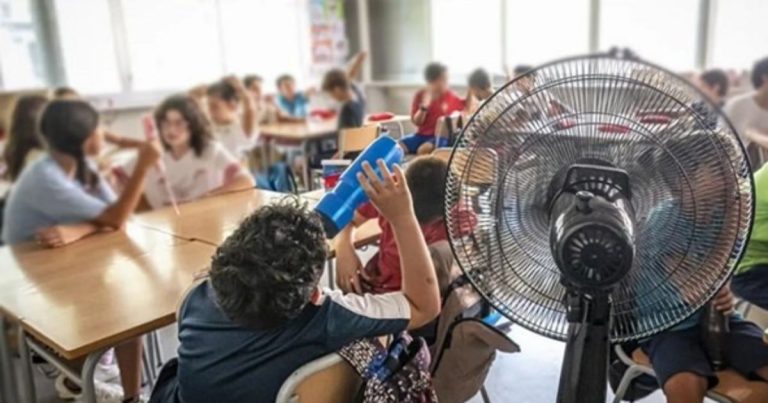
{"type": "Point", "coordinates": [46, 28]}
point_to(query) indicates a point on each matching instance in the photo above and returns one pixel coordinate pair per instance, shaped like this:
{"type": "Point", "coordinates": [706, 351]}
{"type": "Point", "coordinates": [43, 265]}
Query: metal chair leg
{"type": "Point", "coordinates": [87, 373]}
{"type": "Point", "coordinates": [8, 393]}
{"type": "Point", "coordinates": [484, 394]}
{"type": "Point", "coordinates": [26, 370]}
{"type": "Point", "coordinates": [158, 350]}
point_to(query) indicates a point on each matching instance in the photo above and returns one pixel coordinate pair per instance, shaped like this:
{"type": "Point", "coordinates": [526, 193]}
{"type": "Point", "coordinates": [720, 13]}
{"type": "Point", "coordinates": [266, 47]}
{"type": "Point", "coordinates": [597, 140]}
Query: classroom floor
{"type": "Point", "coordinates": [530, 376]}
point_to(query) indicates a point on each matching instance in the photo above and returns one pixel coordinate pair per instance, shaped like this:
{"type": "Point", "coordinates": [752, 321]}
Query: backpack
{"type": "Point", "coordinates": [399, 374]}
{"type": "Point", "coordinates": [278, 178]}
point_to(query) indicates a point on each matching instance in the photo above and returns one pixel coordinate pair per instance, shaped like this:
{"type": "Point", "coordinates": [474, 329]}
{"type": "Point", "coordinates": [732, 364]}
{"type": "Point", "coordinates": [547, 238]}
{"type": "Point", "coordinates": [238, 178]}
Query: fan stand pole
{"type": "Point", "coordinates": [584, 373]}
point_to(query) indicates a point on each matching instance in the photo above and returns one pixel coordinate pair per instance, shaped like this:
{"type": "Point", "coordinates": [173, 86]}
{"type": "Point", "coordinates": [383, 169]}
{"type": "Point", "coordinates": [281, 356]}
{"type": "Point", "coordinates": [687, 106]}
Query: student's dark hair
{"type": "Point", "coordinates": [250, 79]}
{"type": "Point", "coordinates": [197, 123]}
{"type": "Point", "coordinates": [64, 91]}
{"type": "Point", "coordinates": [335, 78]}
{"type": "Point", "coordinates": [480, 79]}
{"type": "Point", "coordinates": [224, 90]}
{"type": "Point", "coordinates": [716, 77]}
{"type": "Point", "coordinates": [282, 78]}
{"type": "Point", "coordinates": [265, 273]}
{"type": "Point", "coordinates": [66, 125]}
{"type": "Point", "coordinates": [759, 72]}
{"type": "Point", "coordinates": [24, 134]}
{"type": "Point", "coordinates": [425, 177]}
{"type": "Point", "coordinates": [521, 69]}
{"type": "Point", "coordinates": [433, 71]}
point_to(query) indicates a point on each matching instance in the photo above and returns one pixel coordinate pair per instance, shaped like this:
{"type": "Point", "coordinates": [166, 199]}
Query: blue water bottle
{"type": "Point", "coordinates": [337, 207]}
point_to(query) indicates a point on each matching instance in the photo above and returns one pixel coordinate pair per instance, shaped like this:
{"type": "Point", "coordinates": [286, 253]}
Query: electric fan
{"type": "Point", "coordinates": [611, 201]}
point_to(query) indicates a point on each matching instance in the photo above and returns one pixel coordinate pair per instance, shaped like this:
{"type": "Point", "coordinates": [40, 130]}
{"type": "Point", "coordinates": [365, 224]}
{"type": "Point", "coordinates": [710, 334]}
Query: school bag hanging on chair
{"type": "Point", "coordinates": [277, 178]}
{"type": "Point", "coordinates": [398, 374]}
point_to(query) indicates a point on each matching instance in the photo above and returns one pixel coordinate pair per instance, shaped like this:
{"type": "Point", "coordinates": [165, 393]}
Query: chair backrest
{"type": "Point", "coordinates": [465, 346]}
{"type": "Point", "coordinates": [755, 155]}
{"type": "Point", "coordinates": [443, 153]}
{"type": "Point", "coordinates": [393, 128]}
{"type": "Point", "coordinates": [484, 163]}
{"type": "Point", "coordinates": [327, 379]}
{"type": "Point", "coordinates": [356, 139]}
{"type": "Point", "coordinates": [448, 126]}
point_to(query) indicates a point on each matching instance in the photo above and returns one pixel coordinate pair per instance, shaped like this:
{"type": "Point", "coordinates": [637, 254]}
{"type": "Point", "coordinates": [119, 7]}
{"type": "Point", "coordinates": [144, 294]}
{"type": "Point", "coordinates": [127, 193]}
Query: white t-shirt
{"type": "Point", "coordinates": [190, 177]}
{"type": "Point", "coordinates": [745, 113]}
{"type": "Point", "coordinates": [233, 138]}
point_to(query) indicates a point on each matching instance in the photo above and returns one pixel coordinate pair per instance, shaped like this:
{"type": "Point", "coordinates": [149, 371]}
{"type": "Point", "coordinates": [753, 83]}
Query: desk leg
{"type": "Point", "coordinates": [8, 381]}
{"type": "Point", "coordinates": [307, 172]}
{"type": "Point", "coordinates": [86, 376]}
{"type": "Point", "coordinates": [27, 382]}
{"type": "Point", "coordinates": [330, 266]}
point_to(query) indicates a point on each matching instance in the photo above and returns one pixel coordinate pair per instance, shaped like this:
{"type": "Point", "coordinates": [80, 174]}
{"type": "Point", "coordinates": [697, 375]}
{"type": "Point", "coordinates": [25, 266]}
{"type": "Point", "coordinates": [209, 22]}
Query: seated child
{"type": "Point", "coordinates": [714, 84]}
{"type": "Point", "coordinates": [260, 315]}
{"type": "Point", "coordinates": [24, 144]}
{"type": "Point", "coordinates": [195, 165]}
{"type": "Point", "coordinates": [750, 281]}
{"type": "Point", "coordinates": [429, 104]}
{"type": "Point", "coordinates": [680, 361]}
{"type": "Point", "coordinates": [293, 106]}
{"type": "Point", "coordinates": [479, 90]}
{"type": "Point", "coordinates": [425, 177]}
{"type": "Point", "coordinates": [225, 99]}
{"type": "Point", "coordinates": [339, 85]}
{"type": "Point", "coordinates": [60, 198]}
{"type": "Point", "coordinates": [266, 112]}
{"type": "Point", "coordinates": [678, 355]}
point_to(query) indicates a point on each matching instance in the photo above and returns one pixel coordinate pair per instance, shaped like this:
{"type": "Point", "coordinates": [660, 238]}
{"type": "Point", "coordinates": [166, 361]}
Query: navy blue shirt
{"type": "Point", "coordinates": [221, 361]}
{"type": "Point", "coordinates": [353, 111]}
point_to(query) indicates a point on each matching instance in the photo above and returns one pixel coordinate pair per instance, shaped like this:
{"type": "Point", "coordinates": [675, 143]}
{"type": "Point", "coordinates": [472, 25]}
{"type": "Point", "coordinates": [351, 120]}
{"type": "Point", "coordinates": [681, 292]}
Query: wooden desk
{"type": "Point", "coordinates": [84, 298]}
{"type": "Point", "coordinates": [100, 291]}
{"type": "Point", "coordinates": [208, 220]}
{"type": "Point", "coordinates": [299, 132]}
{"type": "Point", "coordinates": [212, 219]}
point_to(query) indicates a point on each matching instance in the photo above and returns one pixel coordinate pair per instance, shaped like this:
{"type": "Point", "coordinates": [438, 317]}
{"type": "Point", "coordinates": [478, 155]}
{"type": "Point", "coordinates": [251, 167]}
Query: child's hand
{"type": "Point", "coordinates": [426, 97]}
{"type": "Point", "coordinates": [389, 195]}
{"type": "Point", "coordinates": [723, 300]}
{"type": "Point", "coordinates": [58, 236]}
{"type": "Point", "coordinates": [149, 153]}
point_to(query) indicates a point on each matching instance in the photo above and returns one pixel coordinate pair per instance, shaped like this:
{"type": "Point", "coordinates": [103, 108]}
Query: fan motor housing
{"type": "Point", "coordinates": [592, 240]}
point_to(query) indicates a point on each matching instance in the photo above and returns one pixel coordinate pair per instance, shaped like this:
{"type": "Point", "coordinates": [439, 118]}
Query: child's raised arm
{"type": "Point", "coordinates": [250, 110]}
{"type": "Point", "coordinates": [117, 214]}
{"type": "Point", "coordinates": [393, 200]}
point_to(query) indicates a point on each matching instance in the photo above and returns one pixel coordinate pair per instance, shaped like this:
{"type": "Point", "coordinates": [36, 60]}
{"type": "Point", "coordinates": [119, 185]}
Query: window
{"type": "Point", "coordinates": [544, 30]}
{"type": "Point", "coordinates": [660, 31]}
{"type": "Point", "coordinates": [88, 49]}
{"type": "Point", "coordinates": [739, 33]}
{"type": "Point", "coordinates": [172, 44]}
{"type": "Point", "coordinates": [466, 34]}
{"type": "Point", "coordinates": [265, 37]}
{"type": "Point", "coordinates": [21, 64]}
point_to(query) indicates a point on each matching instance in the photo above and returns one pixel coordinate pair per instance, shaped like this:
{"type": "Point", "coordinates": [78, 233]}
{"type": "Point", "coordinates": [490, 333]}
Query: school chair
{"type": "Point", "coordinates": [732, 388]}
{"type": "Point", "coordinates": [756, 156]}
{"type": "Point", "coordinates": [465, 343]}
{"type": "Point", "coordinates": [392, 128]}
{"type": "Point", "coordinates": [328, 379]}
{"type": "Point", "coordinates": [356, 139]}
{"type": "Point", "coordinates": [449, 127]}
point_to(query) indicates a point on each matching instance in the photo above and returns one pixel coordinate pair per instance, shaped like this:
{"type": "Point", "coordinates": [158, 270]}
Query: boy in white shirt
{"type": "Point", "coordinates": [749, 112]}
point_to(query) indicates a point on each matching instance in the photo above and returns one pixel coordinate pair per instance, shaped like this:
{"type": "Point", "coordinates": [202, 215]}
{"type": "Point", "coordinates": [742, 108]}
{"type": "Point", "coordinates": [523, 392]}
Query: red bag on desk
{"type": "Point", "coordinates": [323, 114]}
{"type": "Point", "coordinates": [379, 116]}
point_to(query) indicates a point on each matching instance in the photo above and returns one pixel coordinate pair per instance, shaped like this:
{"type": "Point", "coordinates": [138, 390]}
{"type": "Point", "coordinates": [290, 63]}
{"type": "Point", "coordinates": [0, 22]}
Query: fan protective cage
{"type": "Point", "coordinates": [692, 190]}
